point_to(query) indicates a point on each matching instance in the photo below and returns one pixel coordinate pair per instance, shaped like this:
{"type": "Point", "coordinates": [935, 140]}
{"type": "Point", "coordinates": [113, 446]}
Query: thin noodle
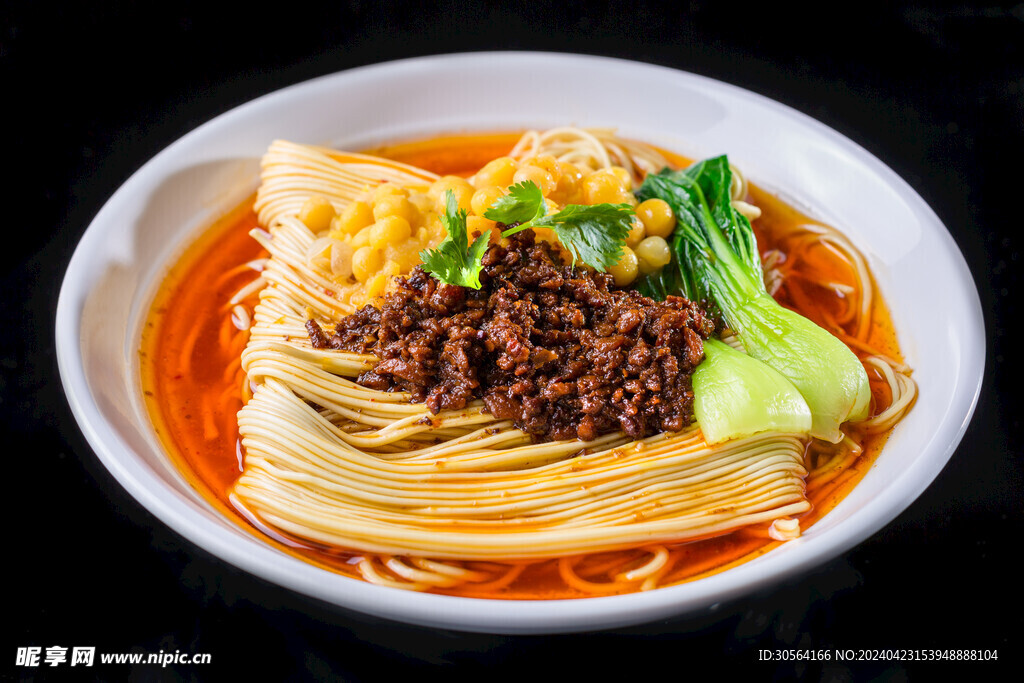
{"type": "Point", "coordinates": [657, 562]}
{"type": "Point", "coordinates": [421, 497]}
{"type": "Point", "coordinates": [567, 571]}
{"type": "Point", "coordinates": [503, 580]}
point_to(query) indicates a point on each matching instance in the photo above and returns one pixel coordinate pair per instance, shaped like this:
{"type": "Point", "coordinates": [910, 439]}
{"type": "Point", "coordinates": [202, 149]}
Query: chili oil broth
{"type": "Point", "coordinates": [194, 385]}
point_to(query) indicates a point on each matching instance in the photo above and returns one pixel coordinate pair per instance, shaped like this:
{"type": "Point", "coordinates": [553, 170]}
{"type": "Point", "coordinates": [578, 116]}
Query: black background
{"type": "Point", "coordinates": [936, 91]}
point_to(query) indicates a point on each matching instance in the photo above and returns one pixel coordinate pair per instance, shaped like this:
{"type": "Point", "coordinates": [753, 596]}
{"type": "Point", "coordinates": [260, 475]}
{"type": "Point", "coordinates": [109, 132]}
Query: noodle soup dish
{"type": "Point", "coordinates": [547, 427]}
{"type": "Point", "coordinates": [595, 364]}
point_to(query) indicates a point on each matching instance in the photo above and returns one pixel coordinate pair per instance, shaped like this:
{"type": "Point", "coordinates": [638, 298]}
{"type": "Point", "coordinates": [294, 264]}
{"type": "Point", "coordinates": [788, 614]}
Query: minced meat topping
{"type": "Point", "coordinates": [558, 350]}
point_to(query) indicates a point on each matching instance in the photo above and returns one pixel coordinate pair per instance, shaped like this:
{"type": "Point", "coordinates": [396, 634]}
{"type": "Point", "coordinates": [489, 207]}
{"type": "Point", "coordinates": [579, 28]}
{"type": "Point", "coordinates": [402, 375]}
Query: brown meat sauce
{"type": "Point", "coordinates": [556, 349]}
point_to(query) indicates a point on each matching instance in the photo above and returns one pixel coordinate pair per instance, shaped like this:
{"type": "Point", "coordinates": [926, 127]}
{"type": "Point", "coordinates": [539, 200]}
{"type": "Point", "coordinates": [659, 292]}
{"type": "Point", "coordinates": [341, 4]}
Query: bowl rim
{"type": "Point", "coordinates": [475, 614]}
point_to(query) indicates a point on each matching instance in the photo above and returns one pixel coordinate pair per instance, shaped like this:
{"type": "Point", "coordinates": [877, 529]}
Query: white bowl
{"type": "Point", "coordinates": [146, 223]}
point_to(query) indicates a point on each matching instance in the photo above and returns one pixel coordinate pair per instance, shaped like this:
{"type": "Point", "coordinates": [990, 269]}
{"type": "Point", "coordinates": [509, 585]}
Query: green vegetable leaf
{"type": "Point", "coordinates": [593, 234]}
{"type": "Point", "coordinates": [736, 395]}
{"type": "Point", "coordinates": [455, 261]}
{"type": "Point", "coordinates": [715, 260]}
{"type": "Point", "coordinates": [523, 203]}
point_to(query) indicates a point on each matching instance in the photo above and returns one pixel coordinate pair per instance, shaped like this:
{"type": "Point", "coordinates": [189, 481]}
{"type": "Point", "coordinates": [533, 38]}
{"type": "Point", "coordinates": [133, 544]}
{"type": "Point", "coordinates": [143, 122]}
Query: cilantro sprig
{"type": "Point", "coordinates": [455, 261]}
{"type": "Point", "coordinates": [594, 234]}
{"type": "Point", "coordinates": [523, 203]}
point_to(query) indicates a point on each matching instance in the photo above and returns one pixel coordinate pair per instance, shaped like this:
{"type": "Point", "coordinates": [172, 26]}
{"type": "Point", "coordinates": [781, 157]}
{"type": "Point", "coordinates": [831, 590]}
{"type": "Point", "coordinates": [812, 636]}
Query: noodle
{"type": "Point", "coordinates": [462, 500]}
{"type": "Point", "coordinates": [291, 173]}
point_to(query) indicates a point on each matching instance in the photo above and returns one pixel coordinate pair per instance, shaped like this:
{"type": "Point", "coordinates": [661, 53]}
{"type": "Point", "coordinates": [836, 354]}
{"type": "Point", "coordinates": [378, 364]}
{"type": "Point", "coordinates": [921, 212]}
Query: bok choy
{"type": "Point", "coordinates": [736, 395]}
{"type": "Point", "coordinates": [715, 260]}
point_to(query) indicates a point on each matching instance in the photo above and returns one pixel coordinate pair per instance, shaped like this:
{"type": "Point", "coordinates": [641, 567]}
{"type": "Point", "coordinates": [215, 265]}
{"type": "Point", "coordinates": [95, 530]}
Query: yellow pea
{"type": "Point", "coordinates": [389, 230]}
{"type": "Point", "coordinates": [434, 231]}
{"type": "Point", "coordinates": [637, 232]}
{"type": "Point", "coordinates": [538, 176]}
{"type": "Point", "coordinates": [477, 225]}
{"type": "Point", "coordinates": [653, 253]}
{"type": "Point", "coordinates": [366, 261]}
{"type": "Point", "coordinates": [375, 285]}
{"type": "Point", "coordinates": [605, 187]}
{"type": "Point", "coordinates": [317, 213]}
{"type": "Point", "coordinates": [484, 198]}
{"type": "Point", "coordinates": [545, 235]}
{"type": "Point", "coordinates": [626, 270]}
{"type": "Point", "coordinates": [623, 175]}
{"type": "Point", "coordinates": [570, 179]}
{"type": "Point", "coordinates": [388, 190]}
{"type": "Point", "coordinates": [351, 220]}
{"type": "Point", "coordinates": [496, 172]}
{"type": "Point", "coordinates": [395, 205]}
{"type": "Point", "coordinates": [657, 217]}
{"type": "Point", "coordinates": [545, 161]}
{"type": "Point", "coordinates": [361, 238]}
{"type": "Point", "coordinates": [460, 187]}
{"type": "Point", "coordinates": [423, 202]}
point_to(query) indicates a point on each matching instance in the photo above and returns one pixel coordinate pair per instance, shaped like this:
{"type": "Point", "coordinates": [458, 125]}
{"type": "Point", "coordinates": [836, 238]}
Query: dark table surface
{"type": "Point", "coordinates": [90, 94]}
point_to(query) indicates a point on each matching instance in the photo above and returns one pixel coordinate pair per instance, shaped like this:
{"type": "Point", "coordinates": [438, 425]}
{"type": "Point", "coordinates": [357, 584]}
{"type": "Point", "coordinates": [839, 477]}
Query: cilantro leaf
{"type": "Point", "coordinates": [523, 203]}
{"type": "Point", "coordinates": [455, 261]}
{"type": "Point", "coordinates": [592, 233]}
